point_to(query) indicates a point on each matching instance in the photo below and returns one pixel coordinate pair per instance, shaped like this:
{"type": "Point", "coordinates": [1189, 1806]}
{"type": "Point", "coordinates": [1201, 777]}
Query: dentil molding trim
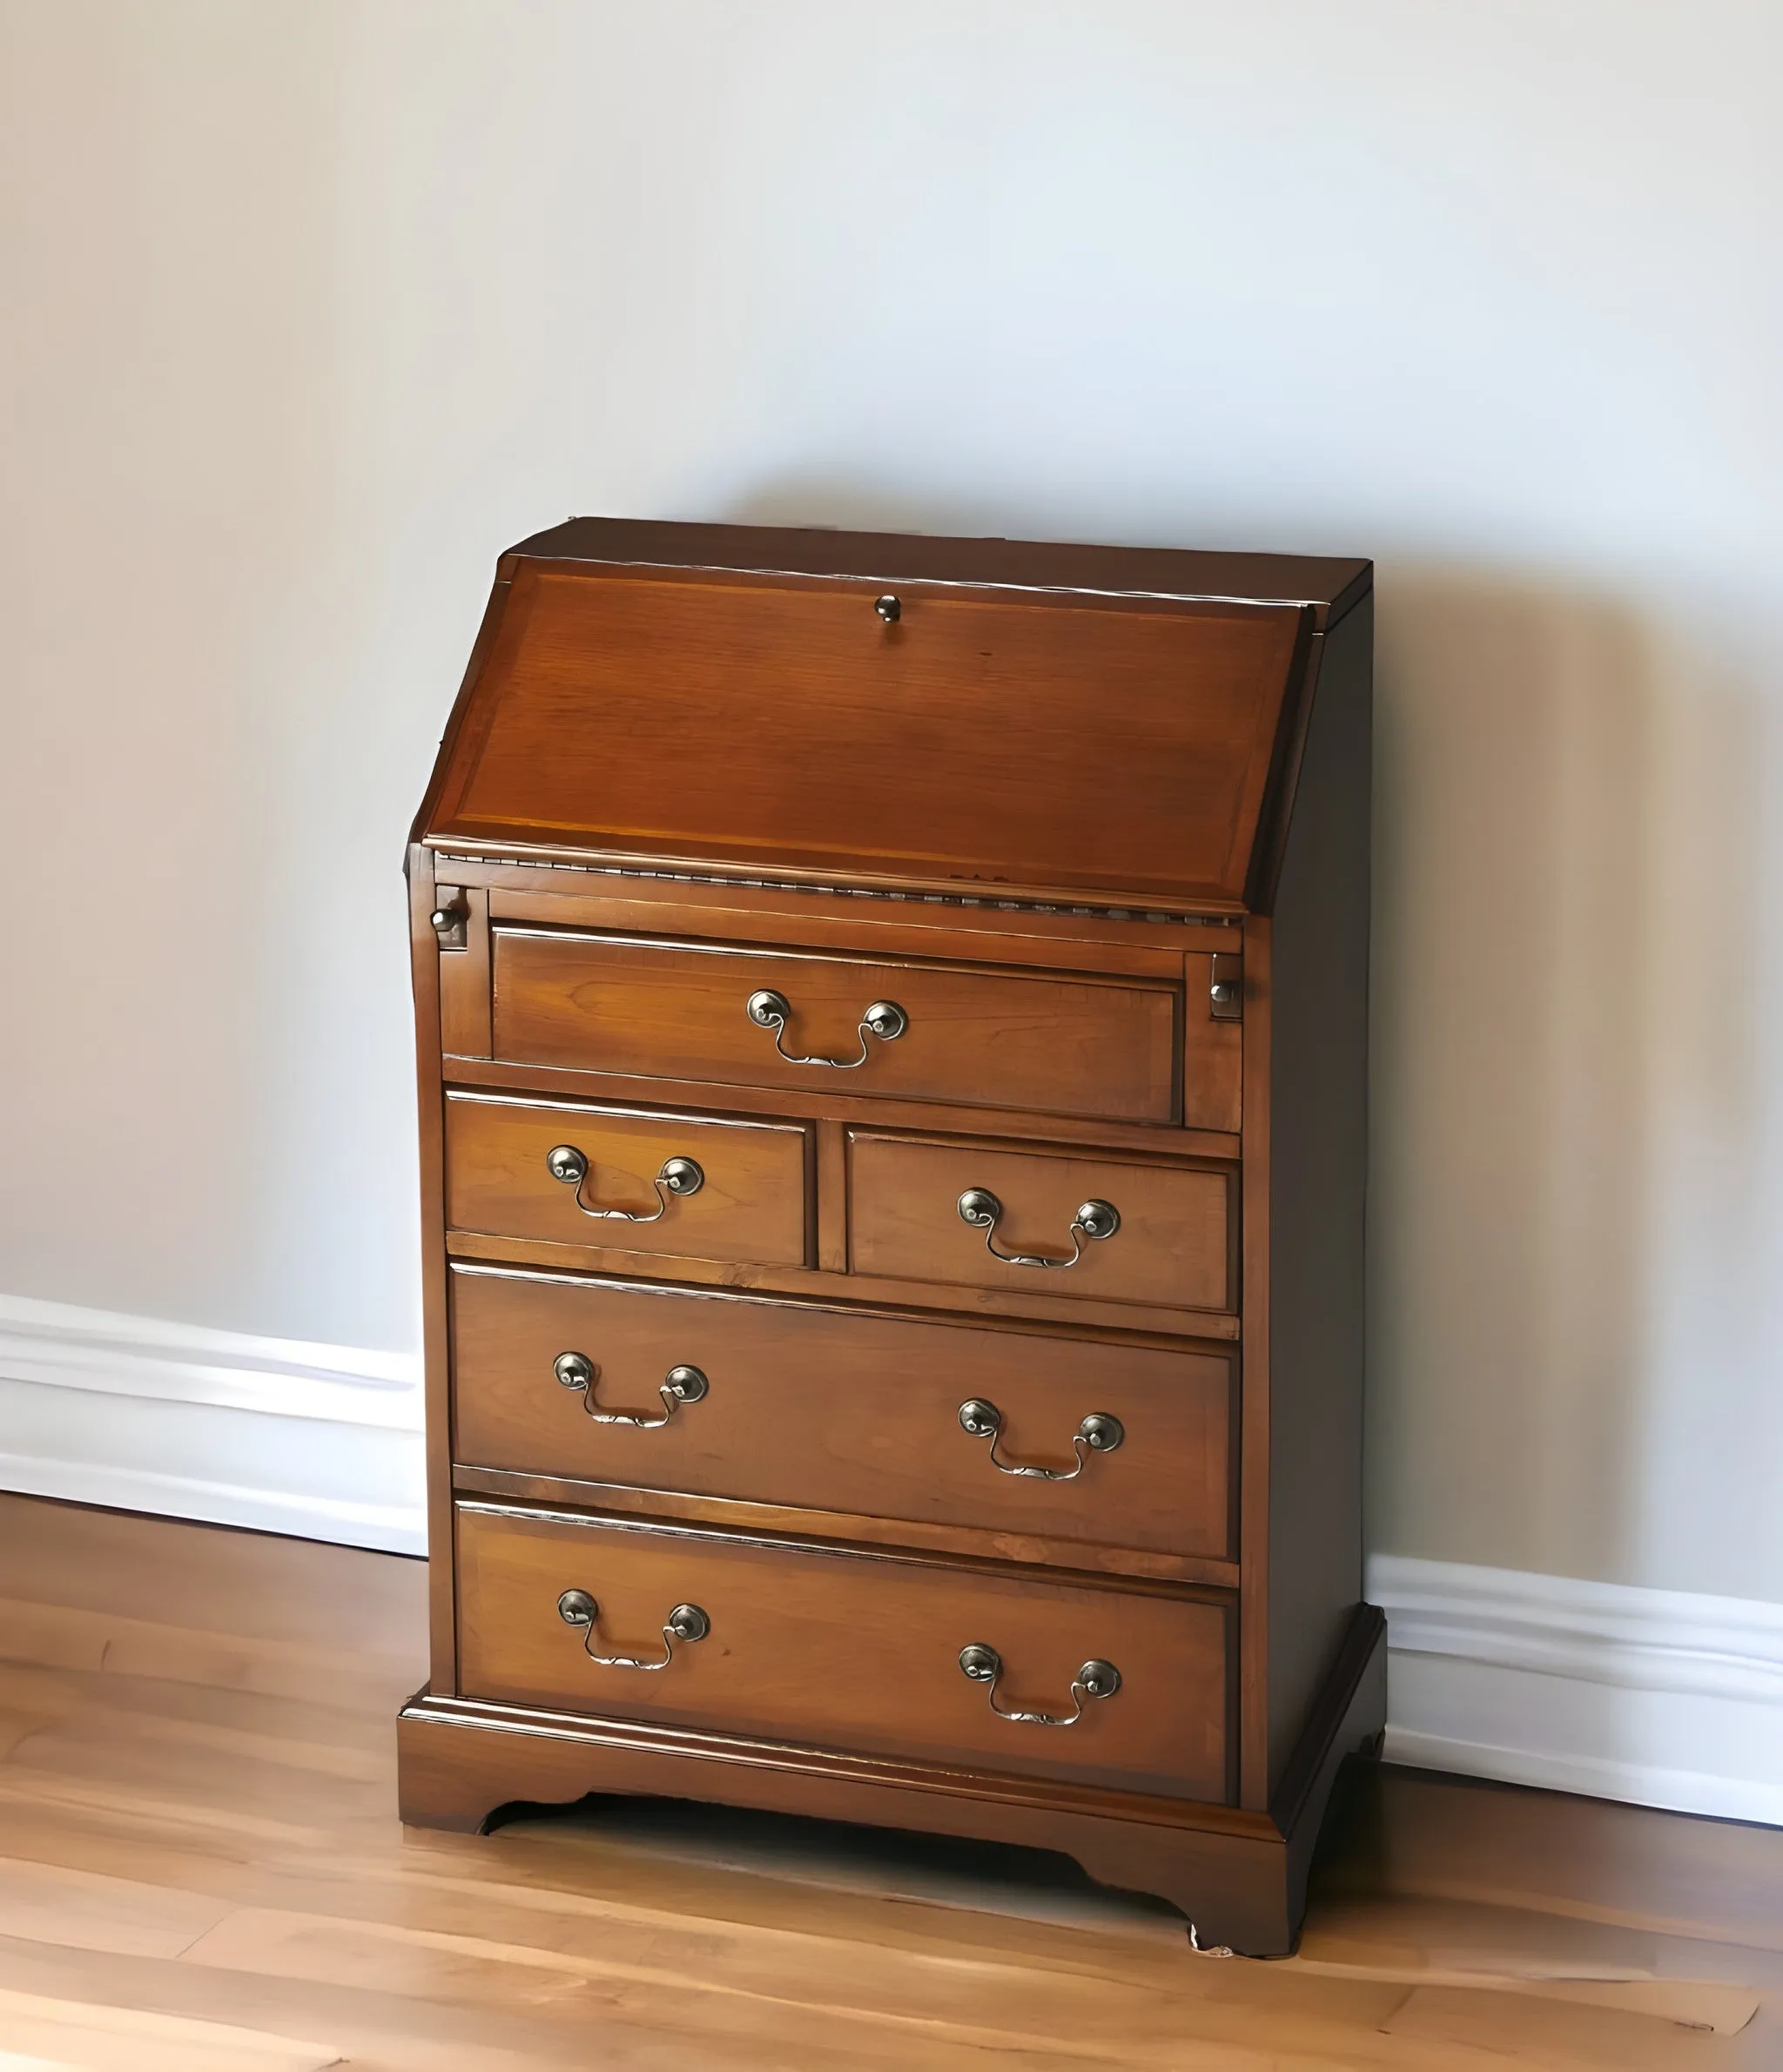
{"type": "Point", "coordinates": [1665, 1697]}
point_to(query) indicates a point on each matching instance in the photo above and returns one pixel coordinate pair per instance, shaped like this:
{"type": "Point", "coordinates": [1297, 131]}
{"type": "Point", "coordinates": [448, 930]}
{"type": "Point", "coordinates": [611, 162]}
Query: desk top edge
{"type": "Point", "coordinates": [1327, 585]}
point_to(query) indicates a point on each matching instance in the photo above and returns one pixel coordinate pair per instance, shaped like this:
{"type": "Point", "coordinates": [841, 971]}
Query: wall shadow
{"type": "Point", "coordinates": [1571, 1211]}
{"type": "Point", "coordinates": [1569, 819]}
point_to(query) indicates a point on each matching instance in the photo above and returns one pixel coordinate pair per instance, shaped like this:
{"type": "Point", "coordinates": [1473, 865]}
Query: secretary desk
{"type": "Point", "coordinates": [893, 1027]}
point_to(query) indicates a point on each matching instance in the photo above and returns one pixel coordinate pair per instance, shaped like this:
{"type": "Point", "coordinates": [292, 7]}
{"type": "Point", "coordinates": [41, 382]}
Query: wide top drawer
{"type": "Point", "coordinates": [742, 1016]}
{"type": "Point", "coordinates": [929, 733]}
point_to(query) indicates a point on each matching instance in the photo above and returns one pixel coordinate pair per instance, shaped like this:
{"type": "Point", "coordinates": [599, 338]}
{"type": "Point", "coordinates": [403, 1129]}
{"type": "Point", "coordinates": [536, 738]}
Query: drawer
{"type": "Point", "coordinates": [843, 1649]}
{"type": "Point", "coordinates": [980, 739]}
{"type": "Point", "coordinates": [823, 1408]}
{"type": "Point", "coordinates": [1072, 1045]}
{"type": "Point", "coordinates": [697, 1188]}
{"type": "Point", "coordinates": [1174, 1240]}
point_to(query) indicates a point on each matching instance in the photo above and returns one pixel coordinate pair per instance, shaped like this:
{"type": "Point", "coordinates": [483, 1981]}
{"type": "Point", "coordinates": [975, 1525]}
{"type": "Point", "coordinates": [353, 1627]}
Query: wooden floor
{"type": "Point", "coordinates": [201, 1871]}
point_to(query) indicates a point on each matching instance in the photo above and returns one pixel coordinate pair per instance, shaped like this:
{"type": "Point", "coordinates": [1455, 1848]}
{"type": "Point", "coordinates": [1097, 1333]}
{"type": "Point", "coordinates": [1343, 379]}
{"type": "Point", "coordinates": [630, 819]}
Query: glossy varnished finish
{"type": "Point", "coordinates": [834, 1098]}
{"type": "Point", "coordinates": [985, 1039]}
{"type": "Point", "coordinates": [1173, 1246]}
{"type": "Point", "coordinates": [750, 1204]}
{"type": "Point", "coordinates": [464, 991]}
{"type": "Point", "coordinates": [886, 879]}
{"type": "Point", "coordinates": [1326, 586]}
{"type": "Point", "coordinates": [842, 1649]}
{"type": "Point", "coordinates": [201, 1868]}
{"type": "Point", "coordinates": [1031, 1301]}
{"type": "Point", "coordinates": [1241, 1876]}
{"type": "Point", "coordinates": [1316, 1151]}
{"type": "Point", "coordinates": [425, 957]}
{"type": "Point", "coordinates": [817, 1408]}
{"type": "Point", "coordinates": [1212, 1074]}
{"type": "Point", "coordinates": [967, 926]}
{"type": "Point", "coordinates": [1122, 744]}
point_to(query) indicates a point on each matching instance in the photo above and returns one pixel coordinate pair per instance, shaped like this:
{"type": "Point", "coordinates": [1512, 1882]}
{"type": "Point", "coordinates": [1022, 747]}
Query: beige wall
{"type": "Point", "coordinates": [314, 305]}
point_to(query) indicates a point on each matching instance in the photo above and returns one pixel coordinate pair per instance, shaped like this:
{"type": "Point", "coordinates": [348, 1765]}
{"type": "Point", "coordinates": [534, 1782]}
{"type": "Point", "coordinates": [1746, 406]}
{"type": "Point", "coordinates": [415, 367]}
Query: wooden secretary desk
{"type": "Point", "coordinates": [892, 1023]}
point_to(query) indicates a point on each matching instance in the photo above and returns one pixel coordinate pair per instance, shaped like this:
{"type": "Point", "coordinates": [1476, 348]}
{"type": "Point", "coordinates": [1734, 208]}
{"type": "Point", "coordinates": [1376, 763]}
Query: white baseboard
{"type": "Point", "coordinates": [322, 1442]}
{"type": "Point", "coordinates": [1662, 1697]}
{"type": "Point", "coordinates": [351, 1522]}
{"type": "Point", "coordinates": [61, 1345]}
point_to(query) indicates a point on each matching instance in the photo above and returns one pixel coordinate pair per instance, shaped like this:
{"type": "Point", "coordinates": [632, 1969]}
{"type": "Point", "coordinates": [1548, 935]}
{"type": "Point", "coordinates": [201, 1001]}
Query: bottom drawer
{"type": "Point", "coordinates": [846, 1649]}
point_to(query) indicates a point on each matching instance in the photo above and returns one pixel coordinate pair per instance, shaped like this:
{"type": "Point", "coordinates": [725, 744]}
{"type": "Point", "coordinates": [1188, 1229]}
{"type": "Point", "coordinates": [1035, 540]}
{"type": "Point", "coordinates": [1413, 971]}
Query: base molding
{"type": "Point", "coordinates": [1239, 1877]}
{"type": "Point", "coordinates": [1660, 1697]}
{"type": "Point", "coordinates": [277, 1435]}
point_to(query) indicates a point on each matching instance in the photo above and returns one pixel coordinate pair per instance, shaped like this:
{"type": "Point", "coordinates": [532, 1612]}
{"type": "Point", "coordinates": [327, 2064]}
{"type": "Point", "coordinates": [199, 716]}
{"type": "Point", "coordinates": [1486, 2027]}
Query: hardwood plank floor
{"type": "Point", "coordinates": [201, 1870]}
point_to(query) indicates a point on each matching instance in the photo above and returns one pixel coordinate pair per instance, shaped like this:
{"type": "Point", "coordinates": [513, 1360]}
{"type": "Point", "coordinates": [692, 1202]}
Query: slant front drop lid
{"type": "Point", "coordinates": [1043, 739]}
{"type": "Point", "coordinates": [891, 1019]}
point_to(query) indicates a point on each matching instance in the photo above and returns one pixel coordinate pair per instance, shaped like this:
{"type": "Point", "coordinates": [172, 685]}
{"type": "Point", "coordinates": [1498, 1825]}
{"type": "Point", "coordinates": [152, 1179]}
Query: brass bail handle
{"type": "Point", "coordinates": [686, 1623]}
{"type": "Point", "coordinates": [1096, 1679]}
{"type": "Point", "coordinates": [979, 1209]}
{"type": "Point", "coordinates": [1100, 1432]}
{"type": "Point", "coordinates": [680, 1385]}
{"type": "Point", "coordinates": [679, 1177]}
{"type": "Point", "coordinates": [885, 1019]}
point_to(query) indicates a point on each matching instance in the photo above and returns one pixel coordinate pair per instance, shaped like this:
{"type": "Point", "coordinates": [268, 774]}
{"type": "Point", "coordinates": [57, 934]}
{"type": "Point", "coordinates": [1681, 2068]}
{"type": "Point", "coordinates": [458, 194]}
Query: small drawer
{"type": "Point", "coordinates": [1122, 1230]}
{"type": "Point", "coordinates": [695, 1188]}
{"type": "Point", "coordinates": [820, 1408]}
{"type": "Point", "coordinates": [846, 1649]}
{"type": "Point", "coordinates": [1066, 1044]}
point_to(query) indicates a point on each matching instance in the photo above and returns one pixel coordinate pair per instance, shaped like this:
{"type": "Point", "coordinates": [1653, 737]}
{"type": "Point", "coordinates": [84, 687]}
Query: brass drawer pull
{"type": "Point", "coordinates": [679, 1385]}
{"type": "Point", "coordinates": [1095, 1679]}
{"type": "Point", "coordinates": [1100, 1431]}
{"type": "Point", "coordinates": [884, 1018]}
{"type": "Point", "coordinates": [678, 1176]}
{"type": "Point", "coordinates": [980, 1208]}
{"type": "Point", "coordinates": [687, 1623]}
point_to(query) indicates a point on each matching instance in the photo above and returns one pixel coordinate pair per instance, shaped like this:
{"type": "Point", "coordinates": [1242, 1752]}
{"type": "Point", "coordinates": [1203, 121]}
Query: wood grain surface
{"type": "Point", "coordinates": [850, 1650]}
{"type": "Point", "coordinates": [426, 958]}
{"type": "Point", "coordinates": [831, 1100]}
{"type": "Point", "coordinates": [1175, 1245]}
{"type": "Point", "coordinates": [1213, 1051]}
{"type": "Point", "coordinates": [1328, 585]}
{"type": "Point", "coordinates": [752, 1204]}
{"type": "Point", "coordinates": [199, 1834]}
{"type": "Point", "coordinates": [465, 993]}
{"type": "Point", "coordinates": [1034, 797]}
{"type": "Point", "coordinates": [966, 926]}
{"type": "Point", "coordinates": [823, 1409]}
{"type": "Point", "coordinates": [1039, 739]}
{"type": "Point", "coordinates": [994, 1039]}
{"type": "Point", "coordinates": [1010, 1303]}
